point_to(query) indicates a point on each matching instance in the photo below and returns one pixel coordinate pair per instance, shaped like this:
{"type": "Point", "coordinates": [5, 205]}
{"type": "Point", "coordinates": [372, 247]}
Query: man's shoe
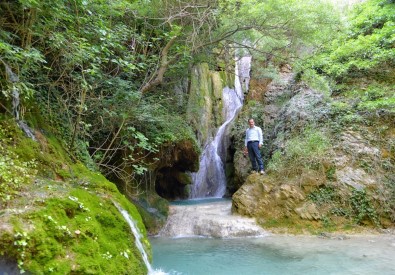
{"type": "Point", "coordinates": [262, 172]}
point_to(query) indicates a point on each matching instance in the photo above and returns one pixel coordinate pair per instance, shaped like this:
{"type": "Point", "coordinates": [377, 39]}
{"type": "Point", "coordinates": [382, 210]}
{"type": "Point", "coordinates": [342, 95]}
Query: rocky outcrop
{"type": "Point", "coordinates": [262, 197]}
{"type": "Point", "coordinates": [347, 183]}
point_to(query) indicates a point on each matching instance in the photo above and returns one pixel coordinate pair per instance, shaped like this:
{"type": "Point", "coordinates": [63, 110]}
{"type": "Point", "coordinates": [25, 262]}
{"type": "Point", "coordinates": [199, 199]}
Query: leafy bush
{"type": "Point", "coordinates": [324, 195]}
{"type": "Point", "coordinates": [306, 150]}
{"type": "Point", "coordinates": [366, 47]}
{"type": "Point", "coordinates": [317, 82]}
{"type": "Point", "coordinates": [362, 207]}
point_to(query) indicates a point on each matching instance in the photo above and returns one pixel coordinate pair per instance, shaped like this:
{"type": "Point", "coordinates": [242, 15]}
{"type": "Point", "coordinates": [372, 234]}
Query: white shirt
{"type": "Point", "coordinates": [254, 134]}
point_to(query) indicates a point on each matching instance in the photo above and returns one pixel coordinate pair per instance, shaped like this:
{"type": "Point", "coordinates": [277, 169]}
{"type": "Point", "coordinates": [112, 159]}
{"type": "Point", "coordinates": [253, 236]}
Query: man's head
{"type": "Point", "coordinates": [251, 122]}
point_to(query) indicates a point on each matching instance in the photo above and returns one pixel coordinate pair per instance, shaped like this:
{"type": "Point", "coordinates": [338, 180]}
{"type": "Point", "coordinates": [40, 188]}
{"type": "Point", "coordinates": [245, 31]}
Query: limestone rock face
{"type": "Point", "coordinates": [353, 142]}
{"type": "Point", "coordinates": [306, 107]}
{"type": "Point", "coordinates": [259, 197]}
{"type": "Point", "coordinates": [205, 101]}
{"type": "Point", "coordinates": [245, 200]}
{"type": "Point", "coordinates": [357, 165]}
{"type": "Point", "coordinates": [356, 178]}
{"type": "Point", "coordinates": [308, 211]}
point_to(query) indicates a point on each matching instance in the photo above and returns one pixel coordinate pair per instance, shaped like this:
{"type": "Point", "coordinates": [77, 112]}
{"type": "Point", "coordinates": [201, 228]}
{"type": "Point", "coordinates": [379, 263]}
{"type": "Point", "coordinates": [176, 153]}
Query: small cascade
{"type": "Point", "coordinates": [13, 78]}
{"type": "Point", "coordinates": [212, 219]}
{"type": "Point", "coordinates": [210, 180]}
{"type": "Point", "coordinates": [138, 237]}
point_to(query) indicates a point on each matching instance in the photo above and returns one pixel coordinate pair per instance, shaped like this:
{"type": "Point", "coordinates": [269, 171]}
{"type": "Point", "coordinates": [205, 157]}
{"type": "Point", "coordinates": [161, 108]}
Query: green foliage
{"type": "Point", "coordinates": [377, 97]}
{"type": "Point", "coordinates": [306, 150]}
{"type": "Point", "coordinates": [358, 207]}
{"type": "Point", "coordinates": [87, 62]}
{"type": "Point", "coordinates": [64, 226]}
{"type": "Point", "coordinates": [363, 208]}
{"type": "Point", "coordinates": [324, 195]}
{"type": "Point", "coordinates": [21, 241]}
{"type": "Point", "coordinates": [317, 82]}
{"type": "Point", "coordinates": [14, 174]}
{"type": "Point", "coordinates": [366, 48]}
{"type": "Point", "coordinates": [389, 195]}
{"type": "Point", "coordinates": [277, 29]}
{"type": "Point", "coordinates": [360, 105]}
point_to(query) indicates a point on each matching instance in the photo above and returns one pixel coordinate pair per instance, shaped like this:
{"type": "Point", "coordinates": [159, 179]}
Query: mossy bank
{"type": "Point", "coordinates": [59, 217]}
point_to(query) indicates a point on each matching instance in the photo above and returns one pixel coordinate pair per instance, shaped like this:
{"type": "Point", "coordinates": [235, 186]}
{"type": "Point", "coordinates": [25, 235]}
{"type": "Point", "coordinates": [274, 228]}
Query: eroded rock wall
{"type": "Point", "coordinates": [346, 182]}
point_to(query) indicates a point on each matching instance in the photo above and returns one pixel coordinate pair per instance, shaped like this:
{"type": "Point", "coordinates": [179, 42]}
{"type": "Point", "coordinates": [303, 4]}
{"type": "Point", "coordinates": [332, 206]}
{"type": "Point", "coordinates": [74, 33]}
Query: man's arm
{"type": "Point", "coordinates": [260, 135]}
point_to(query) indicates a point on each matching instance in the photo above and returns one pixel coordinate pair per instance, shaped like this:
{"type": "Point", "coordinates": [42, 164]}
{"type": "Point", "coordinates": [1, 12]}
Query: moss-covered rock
{"type": "Point", "coordinates": [205, 101]}
{"type": "Point", "coordinates": [58, 216]}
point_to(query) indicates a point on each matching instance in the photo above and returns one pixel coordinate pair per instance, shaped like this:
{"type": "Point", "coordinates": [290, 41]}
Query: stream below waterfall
{"type": "Point", "coordinates": [267, 254]}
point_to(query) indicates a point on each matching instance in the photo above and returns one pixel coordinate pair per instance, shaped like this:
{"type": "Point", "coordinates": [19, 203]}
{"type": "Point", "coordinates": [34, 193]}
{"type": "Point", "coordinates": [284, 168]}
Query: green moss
{"type": "Point", "coordinates": [85, 177]}
{"type": "Point", "coordinates": [67, 221]}
{"type": "Point", "coordinates": [80, 232]}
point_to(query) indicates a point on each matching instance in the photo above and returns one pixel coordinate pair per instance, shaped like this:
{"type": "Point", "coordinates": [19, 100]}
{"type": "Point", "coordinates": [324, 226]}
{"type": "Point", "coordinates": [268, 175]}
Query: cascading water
{"type": "Point", "coordinates": [138, 236]}
{"type": "Point", "coordinates": [210, 180]}
{"type": "Point", "coordinates": [13, 78]}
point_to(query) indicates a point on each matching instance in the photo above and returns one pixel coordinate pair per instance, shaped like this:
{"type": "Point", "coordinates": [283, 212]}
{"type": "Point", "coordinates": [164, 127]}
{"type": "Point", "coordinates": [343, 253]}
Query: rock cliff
{"type": "Point", "coordinates": [325, 170]}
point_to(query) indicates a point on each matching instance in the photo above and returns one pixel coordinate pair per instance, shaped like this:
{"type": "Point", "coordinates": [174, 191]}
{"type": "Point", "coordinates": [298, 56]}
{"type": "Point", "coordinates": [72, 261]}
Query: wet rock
{"type": "Point", "coordinates": [171, 177]}
{"type": "Point", "coordinates": [213, 219]}
{"type": "Point", "coordinates": [8, 267]}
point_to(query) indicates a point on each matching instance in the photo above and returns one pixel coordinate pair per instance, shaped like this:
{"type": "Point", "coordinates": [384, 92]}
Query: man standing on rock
{"type": "Point", "coordinates": [253, 143]}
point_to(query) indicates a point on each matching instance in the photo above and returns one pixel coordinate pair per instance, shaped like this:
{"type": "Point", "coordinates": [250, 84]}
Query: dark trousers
{"type": "Point", "coordinates": [255, 155]}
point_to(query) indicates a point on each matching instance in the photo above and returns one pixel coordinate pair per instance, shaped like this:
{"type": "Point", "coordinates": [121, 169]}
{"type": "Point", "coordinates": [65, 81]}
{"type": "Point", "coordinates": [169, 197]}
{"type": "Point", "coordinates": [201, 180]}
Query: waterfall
{"type": "Point", "coordinates": [137, 236]}
{"type": "Point", "coordinates": [210, 180]}
{"type": "Point", "coordinates": [15, 93]}
{"type": "Point", "coordinates": [16, 103]}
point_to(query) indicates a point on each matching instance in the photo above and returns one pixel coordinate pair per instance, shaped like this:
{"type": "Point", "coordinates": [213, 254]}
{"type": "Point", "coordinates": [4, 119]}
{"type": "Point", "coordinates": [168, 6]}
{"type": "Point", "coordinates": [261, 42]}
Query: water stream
{"type": "Point", "coordinates": [276, 255]}
{"type": "Point", "coordinates": [138, 237]}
